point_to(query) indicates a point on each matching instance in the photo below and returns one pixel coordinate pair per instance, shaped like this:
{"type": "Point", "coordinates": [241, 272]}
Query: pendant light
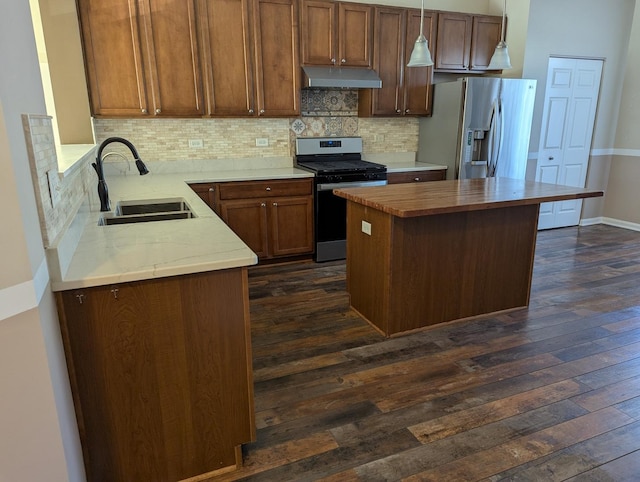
{"type": "Point", "coordinates": [420, 57]}
{"type": "Point", "coordinates": [500, 59]}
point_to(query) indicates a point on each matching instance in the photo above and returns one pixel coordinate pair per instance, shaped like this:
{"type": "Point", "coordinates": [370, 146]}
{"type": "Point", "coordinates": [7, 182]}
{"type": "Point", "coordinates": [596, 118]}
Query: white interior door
{"type": "Point", "coordinates": [571, 98]}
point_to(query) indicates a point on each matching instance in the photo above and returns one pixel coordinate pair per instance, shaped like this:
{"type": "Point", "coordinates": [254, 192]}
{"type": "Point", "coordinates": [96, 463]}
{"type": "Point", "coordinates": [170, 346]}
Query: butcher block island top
{"type": "Point", "coordinates": [424, 199]}
{"type": "Point", "coordinates": [427, 253]}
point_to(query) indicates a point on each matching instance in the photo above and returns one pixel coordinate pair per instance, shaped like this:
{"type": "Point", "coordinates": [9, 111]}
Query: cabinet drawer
{"type": "Point", "coordinates": [415, 176]}
{"type": "Point", "coordinates": [261, 189]}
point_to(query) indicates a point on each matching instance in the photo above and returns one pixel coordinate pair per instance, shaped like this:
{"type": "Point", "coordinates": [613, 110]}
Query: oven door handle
{"type": "Point", "coordinates": [340, 185]}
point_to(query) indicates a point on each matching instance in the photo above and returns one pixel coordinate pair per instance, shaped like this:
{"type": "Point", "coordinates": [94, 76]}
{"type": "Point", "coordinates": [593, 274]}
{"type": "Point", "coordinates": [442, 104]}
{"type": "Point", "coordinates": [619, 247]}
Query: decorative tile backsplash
{"type": "Point", "coordinates": [329, 102]}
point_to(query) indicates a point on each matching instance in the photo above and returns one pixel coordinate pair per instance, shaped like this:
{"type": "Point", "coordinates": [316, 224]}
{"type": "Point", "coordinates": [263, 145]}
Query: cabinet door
{"type": "Point", "coordinates": [388, 62]}
{"type": "Point", "coordinates": [226, 45]}
{"type": "Point", "coordinates": [355, 34]}
{"type": "Point", "coordinates": [291, 225]}
{"type": "Point", "coordinates": [248, 219]}
{"type": "Point", "coordinates": [318, 42]}
{"type": "Point", "coordinates": [454, 41]}
{"type": "Point", "coordinates": [146, 362]}
{"type": "Point", "coordinates": [172, 58]}
{"type": "Point", "coordinates": [418, 89]}
{"type": "Point", "coordinates": [275, 27]}
{"type": "Point", "coordinates": [486, 35]}
{"type": "Point", "coordinates": [113, 61]}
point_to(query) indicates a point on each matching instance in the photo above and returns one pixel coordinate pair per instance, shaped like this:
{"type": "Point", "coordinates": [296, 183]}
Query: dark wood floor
{"type": "Point", "coordinates": [551, 392]}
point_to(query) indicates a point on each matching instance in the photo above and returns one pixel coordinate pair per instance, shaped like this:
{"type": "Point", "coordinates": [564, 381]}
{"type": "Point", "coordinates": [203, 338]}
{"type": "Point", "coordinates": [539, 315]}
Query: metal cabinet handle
{"type": "Point", "coordinates": [551, 158]}
{"type": "Point", "coordinates": [144, 111]}
{"type": "Point", "coordinates": [344, 61]}
{"type": "Point", "coordinates": [406, 111]}
{"type": "Point", "coordinates": [417, 179]}
{"type": "Point", "coordinates": [114, 292]}
{"type": "Point", "coordinates": [398, 111]}
{"type": "Point", "coordinates": [268, 188]}
{"type": "Point", "coordinates": [158, 111]}
{"type": "Point", "coordinates": [262, 111]}
{"type": "Point", "coordinates": [250, 111]}
{"type": "Point", "coordinates": [263, 205]}
{"type": "Point", "coordinates": [333, 61]}
{"type": "Point", "coordinates": [80, 297]}
{"type": "Point", "coordinates": [212, 189]}
{"type": "Point", "coordinates": [275, 204]}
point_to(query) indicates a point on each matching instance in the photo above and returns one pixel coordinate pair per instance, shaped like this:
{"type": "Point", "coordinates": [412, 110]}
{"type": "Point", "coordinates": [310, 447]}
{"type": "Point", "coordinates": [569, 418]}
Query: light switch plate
{"type": "Point", "coordinates": [196, 143]}
{"type": "Point", "coordinates": [54, 186]}
{"type": "Point", "coordinates": [262, 142]}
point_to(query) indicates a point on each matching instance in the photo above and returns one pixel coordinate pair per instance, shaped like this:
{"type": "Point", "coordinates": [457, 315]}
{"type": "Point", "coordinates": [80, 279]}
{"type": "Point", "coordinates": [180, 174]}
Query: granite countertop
{"type": "Point", "coordinates": [121, 253]}
{"type": "Point", "coordinates": [430, 198]}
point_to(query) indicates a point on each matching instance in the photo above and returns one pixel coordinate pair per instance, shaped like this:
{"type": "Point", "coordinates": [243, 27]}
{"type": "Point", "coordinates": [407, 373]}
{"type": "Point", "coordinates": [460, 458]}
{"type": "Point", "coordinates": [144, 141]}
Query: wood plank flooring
{"type": "Point", "coordinates": [551, 392]}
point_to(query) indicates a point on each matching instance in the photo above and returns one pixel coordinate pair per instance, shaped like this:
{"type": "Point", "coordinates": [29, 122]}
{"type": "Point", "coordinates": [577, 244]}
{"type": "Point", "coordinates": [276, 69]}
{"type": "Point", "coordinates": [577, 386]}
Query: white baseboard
{"type": "Point", "coordinates": [591, 221]}
{"type": "Point", "coordinates": [621, 224]}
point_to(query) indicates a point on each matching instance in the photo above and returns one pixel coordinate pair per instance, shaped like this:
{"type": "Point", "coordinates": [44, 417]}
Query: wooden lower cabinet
{"type": "Point", "coordinates": [273, 217]}
{"type": "Point", "coordinates": [416, 176]}
{"type": "Point", "coordinates": [161, 375]}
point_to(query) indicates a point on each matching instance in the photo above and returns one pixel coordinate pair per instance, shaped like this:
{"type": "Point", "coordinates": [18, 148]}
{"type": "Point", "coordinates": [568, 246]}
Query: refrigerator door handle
{"type": "Point", "coordinates": [496, 138]}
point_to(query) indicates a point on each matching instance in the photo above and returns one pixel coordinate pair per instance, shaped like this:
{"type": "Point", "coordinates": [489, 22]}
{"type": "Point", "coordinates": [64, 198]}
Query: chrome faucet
{"type": "Point", "coordinates": [103, 191]}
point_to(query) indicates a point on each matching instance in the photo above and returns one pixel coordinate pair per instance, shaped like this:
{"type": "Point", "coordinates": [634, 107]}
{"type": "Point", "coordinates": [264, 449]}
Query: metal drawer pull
{"type": "Point", "coordinates": [268, 189]}
{"type": "Point", "coordinates": [416, 179]}
{"type": "Point", "coordinates": [80, 298]}
{"type": "Point", "coordinates": [263, 205]}
{"type": "Point", "coordinates": [275, 204]}
{"type": "Point", "coordinates": [114, 291]}
{"type": "Point", "coordinates": [211, 189]}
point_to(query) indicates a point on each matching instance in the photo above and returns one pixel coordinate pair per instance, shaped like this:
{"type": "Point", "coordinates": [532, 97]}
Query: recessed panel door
{"type": "Point", "coordinates": [567, 127]}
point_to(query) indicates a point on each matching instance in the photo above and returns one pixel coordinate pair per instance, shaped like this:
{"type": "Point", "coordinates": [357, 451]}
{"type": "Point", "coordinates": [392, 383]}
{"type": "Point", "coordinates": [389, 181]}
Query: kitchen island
{"type": "Point", "coordinates": [427, 253]}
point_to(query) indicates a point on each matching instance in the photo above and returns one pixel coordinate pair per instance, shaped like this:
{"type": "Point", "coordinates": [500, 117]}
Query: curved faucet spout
{"type": "Point", "coordinates": [103, 191]}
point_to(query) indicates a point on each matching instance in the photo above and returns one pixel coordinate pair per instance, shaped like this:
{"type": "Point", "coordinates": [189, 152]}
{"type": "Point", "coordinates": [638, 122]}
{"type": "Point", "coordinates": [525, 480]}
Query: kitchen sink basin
{"type": "Point", "coordinates": [127, 212]}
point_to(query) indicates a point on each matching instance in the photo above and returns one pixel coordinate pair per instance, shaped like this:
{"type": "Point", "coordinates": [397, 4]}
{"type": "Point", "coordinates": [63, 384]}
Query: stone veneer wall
{"type": "Point", "coordinates": [38, 130]}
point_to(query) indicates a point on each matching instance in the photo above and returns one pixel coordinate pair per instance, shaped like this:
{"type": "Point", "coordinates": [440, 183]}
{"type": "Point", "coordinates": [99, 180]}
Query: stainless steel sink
{"type": "Point", "coordinates": [127, 212]}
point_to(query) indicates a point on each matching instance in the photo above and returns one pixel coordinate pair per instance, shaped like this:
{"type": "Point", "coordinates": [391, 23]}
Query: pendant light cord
{"type": "Point", "coordinates": [422, 18]}
{"type": "Point", "coordinates": [504, 13]}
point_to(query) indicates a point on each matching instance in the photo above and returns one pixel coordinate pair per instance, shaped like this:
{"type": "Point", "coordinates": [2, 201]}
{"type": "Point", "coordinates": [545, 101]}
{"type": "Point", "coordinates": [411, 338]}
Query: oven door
{"type": "Point", "coordinates": [331, 219]}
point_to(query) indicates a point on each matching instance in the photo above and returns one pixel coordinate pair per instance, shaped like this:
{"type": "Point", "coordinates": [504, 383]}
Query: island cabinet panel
{"type": "Point", "coordinates": [471, 263]}
{"type": "Point", "coordinates": [416, 176]}
{"type": "Point", "coordinates": [161, 375]}
{"type": "Point", "coordinates": [142, 57]}
{"type": "Point", "coordinates": [274, 218]}
{"type": "Point", "coordinates": [466, 42]}
{"type": "Point", "coordinates": [405, 90]}
{"type": "Point", "coordinates": [336, 33]}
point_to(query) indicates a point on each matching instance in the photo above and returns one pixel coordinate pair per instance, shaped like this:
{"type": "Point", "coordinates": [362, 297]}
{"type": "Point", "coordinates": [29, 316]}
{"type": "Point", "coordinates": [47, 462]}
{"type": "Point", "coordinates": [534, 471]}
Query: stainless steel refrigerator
{"type": "Point", "coordinates": [480, 127]}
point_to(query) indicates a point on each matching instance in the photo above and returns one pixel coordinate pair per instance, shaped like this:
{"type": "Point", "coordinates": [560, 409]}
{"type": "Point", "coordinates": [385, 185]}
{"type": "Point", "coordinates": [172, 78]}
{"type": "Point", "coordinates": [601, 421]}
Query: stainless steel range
{"type": "Point", "coordinates": [337, 162]}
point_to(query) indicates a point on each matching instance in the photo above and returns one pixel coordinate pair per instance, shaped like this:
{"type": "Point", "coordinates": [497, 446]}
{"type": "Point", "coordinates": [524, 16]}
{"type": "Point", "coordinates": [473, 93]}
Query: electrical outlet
{"type": "Point", "coordinates": [366, 227]}
{"type": "Point", "coordinates": [379, 138]}
{"type": "Point", "coordinates": [262, 142]}
{"type": "Point", "coordinates": [196, 143]}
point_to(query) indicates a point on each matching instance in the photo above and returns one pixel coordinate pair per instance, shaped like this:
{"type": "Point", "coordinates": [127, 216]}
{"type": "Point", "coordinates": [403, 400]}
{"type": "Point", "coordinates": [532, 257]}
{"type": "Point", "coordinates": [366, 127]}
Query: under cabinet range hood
{"type": "Point", "coordinates": [341, 77]}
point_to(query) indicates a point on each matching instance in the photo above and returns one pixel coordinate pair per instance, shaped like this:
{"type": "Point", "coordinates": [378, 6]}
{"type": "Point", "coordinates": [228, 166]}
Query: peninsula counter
{"type": "Point", "coordinates": [427, 253]}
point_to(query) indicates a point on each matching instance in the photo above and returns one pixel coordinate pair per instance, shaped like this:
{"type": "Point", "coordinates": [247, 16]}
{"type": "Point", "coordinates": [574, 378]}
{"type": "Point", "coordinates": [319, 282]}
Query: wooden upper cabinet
{"type": "Point", "coordinates": [172, 58]}
{"type": "Point", "coordinates": [418, 88]}
{"type": "Point", "coordinates": [466, 42]}
{"type": "Point", "coordinates": [454, 41]}
{"type": "Point", "coordinates": [336, 33]}
{"type": "Point", "coordinates": [319, 32]}
{"type": "Point", "coordinates": [227, 57]}
{"type": "Point", "coordinates": [141, 57]}
{"type": "Point", "coordinates": [275, 29]}
{"type": "Point", "coordinates": [387, 62]}
{"type": "Point", "coordinates": [405, 90]}
{"type": "Point", "coordinates": [485, 36]}
{"type": "Point", "coordinates": [113, 59]}
{"type": "Point", "coordinates": [355, 34]}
